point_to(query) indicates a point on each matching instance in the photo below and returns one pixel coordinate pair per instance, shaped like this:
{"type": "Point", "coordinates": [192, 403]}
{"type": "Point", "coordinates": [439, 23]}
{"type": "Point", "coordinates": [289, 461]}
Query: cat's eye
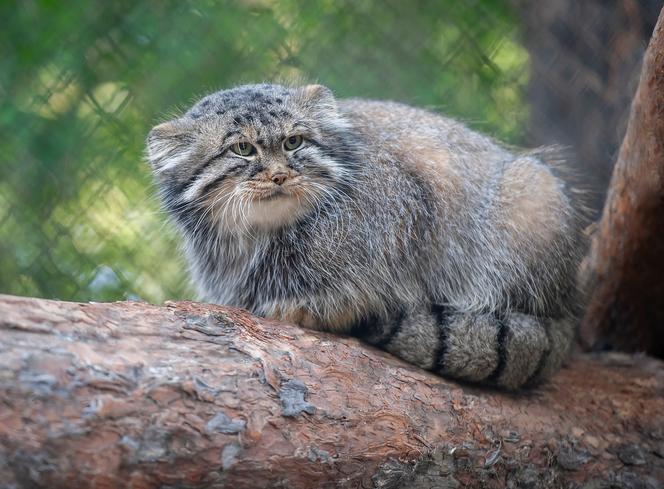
{"type": "Point", "coordinates": [292, 142]}
{"type": "Point", "coordinates": [243, 149]}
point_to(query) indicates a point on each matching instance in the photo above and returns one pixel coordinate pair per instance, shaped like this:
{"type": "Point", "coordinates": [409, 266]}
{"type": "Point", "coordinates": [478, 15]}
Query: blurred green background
{"type": "Point", "coordinates": [82, 82]}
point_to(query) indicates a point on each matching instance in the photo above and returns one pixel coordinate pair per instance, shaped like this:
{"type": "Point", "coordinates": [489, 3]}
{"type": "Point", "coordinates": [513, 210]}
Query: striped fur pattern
{"type": "Point", "coordinates": [385, 221]}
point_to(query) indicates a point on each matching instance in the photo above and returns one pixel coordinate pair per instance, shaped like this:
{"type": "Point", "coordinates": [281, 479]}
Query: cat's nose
{"type": "Point", "coordinates": [279, 177]}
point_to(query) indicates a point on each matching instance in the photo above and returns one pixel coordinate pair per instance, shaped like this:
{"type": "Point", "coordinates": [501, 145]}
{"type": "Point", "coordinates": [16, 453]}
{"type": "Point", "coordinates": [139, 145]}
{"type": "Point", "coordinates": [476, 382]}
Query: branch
{"type": "Point", "coordinates": [625, 268]}
{"type": "Point", "coordinates": [130, 395]}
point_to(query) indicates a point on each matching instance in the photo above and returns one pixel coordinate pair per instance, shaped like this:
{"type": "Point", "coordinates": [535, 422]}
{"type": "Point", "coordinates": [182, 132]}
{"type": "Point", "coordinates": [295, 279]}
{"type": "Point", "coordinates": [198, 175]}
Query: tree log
{"type": "Point", "coordinates": [187, 395]}
{"type": "Point", "coordinates": [626, 263]}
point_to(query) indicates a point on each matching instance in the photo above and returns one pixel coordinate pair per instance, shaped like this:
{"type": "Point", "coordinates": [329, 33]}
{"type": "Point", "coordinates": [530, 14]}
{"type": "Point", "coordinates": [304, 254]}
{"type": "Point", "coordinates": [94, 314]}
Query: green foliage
{"type": "Point", "coordinates": [82, 83]}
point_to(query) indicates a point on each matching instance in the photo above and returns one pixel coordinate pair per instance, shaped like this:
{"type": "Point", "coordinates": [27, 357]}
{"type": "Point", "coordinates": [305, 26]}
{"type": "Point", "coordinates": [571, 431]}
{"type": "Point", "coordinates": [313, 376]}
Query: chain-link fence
{"type": "Point", "coordinates": [81, 84]}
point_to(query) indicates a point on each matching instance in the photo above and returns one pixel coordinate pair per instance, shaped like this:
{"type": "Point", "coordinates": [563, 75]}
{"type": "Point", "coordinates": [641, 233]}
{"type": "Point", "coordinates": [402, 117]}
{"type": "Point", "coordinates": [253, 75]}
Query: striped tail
{"type": "Point", "coordinates": [511, 350]}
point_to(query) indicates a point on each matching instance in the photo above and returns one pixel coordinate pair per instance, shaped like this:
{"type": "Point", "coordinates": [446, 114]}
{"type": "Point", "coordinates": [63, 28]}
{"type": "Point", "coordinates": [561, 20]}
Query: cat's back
{"type": "Point", "coordinates": [396, 126]}
{"type": "Point", "coordinates": [463, 166]}
{"type": "Point", "coordinates": [433, 148]}
{"type": "Point", "coordinates": [507, 213]}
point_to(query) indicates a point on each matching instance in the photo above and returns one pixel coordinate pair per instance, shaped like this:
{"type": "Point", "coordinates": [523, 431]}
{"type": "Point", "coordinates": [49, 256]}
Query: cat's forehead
{"type": "Point", "coordinates": [247, 103]}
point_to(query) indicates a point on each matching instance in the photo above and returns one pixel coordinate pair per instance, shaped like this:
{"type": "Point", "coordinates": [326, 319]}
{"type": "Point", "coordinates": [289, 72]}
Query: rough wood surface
{"type": "Point", "coordinates": [626, 263]}
{"type": "Point", "coordinates": [130, 395]}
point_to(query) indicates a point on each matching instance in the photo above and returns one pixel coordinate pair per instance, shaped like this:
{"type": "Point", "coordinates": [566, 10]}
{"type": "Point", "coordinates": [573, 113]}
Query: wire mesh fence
{"type": "Point", "coordinates": [81, 84]}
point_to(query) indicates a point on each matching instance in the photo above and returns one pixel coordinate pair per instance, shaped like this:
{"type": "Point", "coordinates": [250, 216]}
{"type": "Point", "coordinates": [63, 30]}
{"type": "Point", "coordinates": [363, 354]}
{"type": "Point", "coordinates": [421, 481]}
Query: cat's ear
{"type": "Point", "coordinates": [169, 143]}
{"type": "Point", "coordinates": [318, 96]}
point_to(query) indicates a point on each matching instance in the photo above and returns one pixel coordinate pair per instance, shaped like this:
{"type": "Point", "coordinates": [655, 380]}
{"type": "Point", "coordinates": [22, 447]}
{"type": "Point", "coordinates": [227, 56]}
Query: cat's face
{"type": "Point", "coordinates": [256, 157]}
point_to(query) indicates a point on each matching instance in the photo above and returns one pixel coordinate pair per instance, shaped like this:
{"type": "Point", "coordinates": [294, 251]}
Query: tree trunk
{"type": "Point", "coordinates": [625, 267]}
{"type": "Point", "coordinates": [130, 395]}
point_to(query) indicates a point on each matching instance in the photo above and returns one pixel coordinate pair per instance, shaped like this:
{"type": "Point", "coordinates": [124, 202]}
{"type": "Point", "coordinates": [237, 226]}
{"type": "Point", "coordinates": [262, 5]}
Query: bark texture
{"type": "Point", "coordinates": [130, 395]}
{"type": "Point", "coordinates": [626, 263]}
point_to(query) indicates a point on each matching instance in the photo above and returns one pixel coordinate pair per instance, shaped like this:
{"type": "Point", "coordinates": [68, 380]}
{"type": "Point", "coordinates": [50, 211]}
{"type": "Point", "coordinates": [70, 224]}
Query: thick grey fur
{"type": "Point", "coordinates": [395, 224]}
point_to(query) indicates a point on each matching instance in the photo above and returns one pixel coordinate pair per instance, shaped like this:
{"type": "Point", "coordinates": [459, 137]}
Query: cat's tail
{"type": "Point", "coordinates": [509, 350]}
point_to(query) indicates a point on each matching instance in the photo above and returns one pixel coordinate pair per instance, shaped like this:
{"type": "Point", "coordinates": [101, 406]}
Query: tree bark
{"type": "Point", "coordinates": [625, 268]}
{"type": "Point", "coordinates": [187, 395]}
